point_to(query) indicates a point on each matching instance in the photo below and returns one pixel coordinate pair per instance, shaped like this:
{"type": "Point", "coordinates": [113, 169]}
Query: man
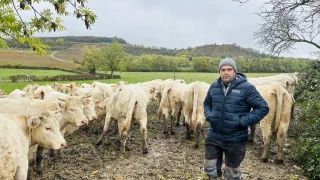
{"type": "Point", "coordinates": [231, 105]}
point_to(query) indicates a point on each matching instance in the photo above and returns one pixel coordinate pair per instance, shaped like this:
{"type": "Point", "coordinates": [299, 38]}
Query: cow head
{"type": "Point", "coordinates": [45, 130]}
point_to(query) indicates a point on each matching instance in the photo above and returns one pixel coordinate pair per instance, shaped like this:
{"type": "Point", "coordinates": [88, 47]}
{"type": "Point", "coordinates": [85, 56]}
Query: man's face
{"type": "Point", "coordinates": [227, 74]}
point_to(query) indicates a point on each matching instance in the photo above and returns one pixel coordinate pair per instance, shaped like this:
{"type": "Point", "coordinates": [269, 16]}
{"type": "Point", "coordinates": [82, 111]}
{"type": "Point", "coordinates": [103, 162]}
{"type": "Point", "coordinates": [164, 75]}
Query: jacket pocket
{"type": "Point", "coordinates": [236, 119]}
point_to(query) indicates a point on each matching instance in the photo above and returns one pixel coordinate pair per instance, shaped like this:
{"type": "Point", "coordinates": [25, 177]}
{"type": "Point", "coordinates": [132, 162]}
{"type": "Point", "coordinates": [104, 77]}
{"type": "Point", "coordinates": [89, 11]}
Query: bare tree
{"type": "Point", "coordinates": [287, 22]}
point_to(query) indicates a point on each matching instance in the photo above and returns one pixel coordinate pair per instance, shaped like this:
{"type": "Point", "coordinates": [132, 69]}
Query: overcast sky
{"type": "Point", "coordinates": [174, 23]}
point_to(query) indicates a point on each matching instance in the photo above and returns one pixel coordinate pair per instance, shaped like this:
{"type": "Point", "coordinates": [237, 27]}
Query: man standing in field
{"type": "Point", "coordinates": [231, 105]}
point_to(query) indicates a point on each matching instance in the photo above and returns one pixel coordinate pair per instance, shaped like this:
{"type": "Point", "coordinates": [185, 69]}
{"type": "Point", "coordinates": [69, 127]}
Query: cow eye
{"type": "Point", "coordinates": [72, 110]}
{"type": "Point", "coordinates": [48, 128]}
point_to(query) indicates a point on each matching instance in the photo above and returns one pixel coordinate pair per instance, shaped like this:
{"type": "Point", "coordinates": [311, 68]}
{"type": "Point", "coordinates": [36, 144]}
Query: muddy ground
{"type": "Point", "coordinates": [169, 157]}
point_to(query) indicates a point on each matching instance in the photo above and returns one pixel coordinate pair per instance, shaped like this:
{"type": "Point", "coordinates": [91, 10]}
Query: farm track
{"type": "Point", "coordinates": [58, 59]}
{"type": "Point", "coordinates": [30, 59]}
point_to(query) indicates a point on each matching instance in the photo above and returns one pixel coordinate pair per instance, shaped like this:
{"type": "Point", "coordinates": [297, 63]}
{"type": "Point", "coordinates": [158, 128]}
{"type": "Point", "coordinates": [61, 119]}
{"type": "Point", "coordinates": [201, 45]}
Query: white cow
{"type": "Point", "coordinates": [18, 133]}
{"type": "Point", "coordinates": [85, 85]}
{"type": "Point", "coordinates": [156, 85]}
{"type": "Point", "coordinates": [64, 88]}
{"type": "Point", "coordinates": [29, 89]}
{"type": "Point", "coordinates": [95, 93]}
{"type": "Point", "coordinates": [17, 93]}
{"type": "Point", "coordinates": [192, 98]}
{"type": "Point", "coordinates": [170, 100]}
{"type": "Point", "coordinates": [147, 93]}
{"type": "Point", "coordinates": [88, 111]}
{"type": "Point", "coordinates": [106, 89]}
{"type": "Point", "coordinates": [288, 80]}
{"type": "Point", "coordinates": [127, 106]}
{"type": "Point", "coordinates": [48, 93]}
{"type": "Point", "coordinates": [277, 121]}
{"type": "Point", "coordinates": [72, 112]}
{"type": "Point", "coordinates": [2, 93]}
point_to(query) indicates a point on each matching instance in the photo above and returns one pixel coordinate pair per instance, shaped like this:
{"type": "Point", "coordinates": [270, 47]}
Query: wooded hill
{"type": "Point", "coordinates": [210, 50]}
{"type": "Point", "coordinates": [203, 58]}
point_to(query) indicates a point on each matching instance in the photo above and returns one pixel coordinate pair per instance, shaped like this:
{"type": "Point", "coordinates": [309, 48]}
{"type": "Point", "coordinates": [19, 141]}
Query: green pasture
{"type": "Point", "coordinates": [5, 73]}
{"type": "Point", "coordinates": [131, 77]}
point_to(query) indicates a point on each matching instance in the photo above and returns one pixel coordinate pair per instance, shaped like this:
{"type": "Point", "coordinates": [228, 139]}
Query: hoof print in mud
{"type": "Point", "coordinates": [279, 161]}
{"type": "Point", "coordinates": [264, 160]}
{"type": "Point", "coordinates": [98, 143]}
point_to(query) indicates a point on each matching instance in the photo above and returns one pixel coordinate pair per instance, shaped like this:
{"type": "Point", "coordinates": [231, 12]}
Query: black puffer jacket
{"type": "Point", "coordinates": [230, 115]}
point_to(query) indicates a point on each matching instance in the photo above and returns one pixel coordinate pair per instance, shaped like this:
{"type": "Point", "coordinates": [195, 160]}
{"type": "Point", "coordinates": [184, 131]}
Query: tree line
{"type": "Point", "coordinates": [114, 58]}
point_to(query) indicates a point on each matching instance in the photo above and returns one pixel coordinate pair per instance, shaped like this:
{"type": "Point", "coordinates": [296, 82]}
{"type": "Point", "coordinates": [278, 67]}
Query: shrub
{"type": "Point", "coordinates": [307, 151]}
{"type": "Point", "coordinates": [13, 78]}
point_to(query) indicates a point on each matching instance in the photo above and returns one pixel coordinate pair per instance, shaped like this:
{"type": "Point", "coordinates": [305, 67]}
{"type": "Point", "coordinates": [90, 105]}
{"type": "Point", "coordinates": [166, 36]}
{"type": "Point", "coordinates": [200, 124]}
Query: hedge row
{"type": "Point", "coordinates": [77, 77]}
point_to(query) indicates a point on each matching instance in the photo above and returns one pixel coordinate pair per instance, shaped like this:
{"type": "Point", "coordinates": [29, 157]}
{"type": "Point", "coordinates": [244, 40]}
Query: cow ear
{"type": "Point", "coordinates": [169, 91]}
{"type": "Point", "coordinates": [88, 95]}
{"type": "Point", "coordinates": [46, 113]}
{"type": "Point", "coordinates": [33, 121]}
{"type": "Point", "coordinates": [97, 102]}
{"type": "Point", "coordinates": [62, 99]}
{"type": "Point", "coordinates": [61, 105]}
{"type": "Point", "coordinates": [85, 101]}
{"type": "Point", "coordinates": [58, 115]}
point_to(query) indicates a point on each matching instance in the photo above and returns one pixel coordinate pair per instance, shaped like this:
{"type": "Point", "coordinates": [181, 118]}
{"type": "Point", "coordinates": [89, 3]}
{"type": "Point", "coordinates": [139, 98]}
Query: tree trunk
{"type": "Point", "coordinates": [92, 71]}
{"type": "Point", "coordinates": [111, 74]}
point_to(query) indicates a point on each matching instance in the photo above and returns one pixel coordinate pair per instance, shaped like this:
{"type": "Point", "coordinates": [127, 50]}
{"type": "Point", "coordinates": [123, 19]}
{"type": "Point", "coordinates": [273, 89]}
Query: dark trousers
{"type": "Point", "coordinates": [234, 155]}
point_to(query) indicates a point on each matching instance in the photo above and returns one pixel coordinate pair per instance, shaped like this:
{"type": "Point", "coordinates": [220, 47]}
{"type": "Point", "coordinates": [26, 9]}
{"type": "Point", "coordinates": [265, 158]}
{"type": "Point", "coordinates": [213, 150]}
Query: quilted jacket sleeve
{"type": "Point", "coordinates": [259, 106]}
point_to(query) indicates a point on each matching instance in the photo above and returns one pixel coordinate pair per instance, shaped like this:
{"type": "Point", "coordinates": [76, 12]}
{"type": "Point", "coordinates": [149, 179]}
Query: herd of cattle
{"type": "Point", "coordinates": [39, 117]}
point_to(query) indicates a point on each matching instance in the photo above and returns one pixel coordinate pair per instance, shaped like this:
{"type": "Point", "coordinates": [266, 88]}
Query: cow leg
{"type": "Point", "coordinates": [22, 170]}
{"type": "Point", "coordinates": [144, 132]}
{"type": "Point", "coordinates": [252, 131]}
{"type": "Point", "coordinates": [197, 135]}
{"type": "Point", "coordinates": [105, 129]}
{"type": "Point", "coordinates": [115, 129]}
{"type": "Point", "coordinates": [281, 138]}
{"type": "Point", "coordinates": [123, 131]}
{"type": "Point", "coordinates": [187, 125]}
{"type": "Point", "coordinates": [39, 160]}
{"type": "Point", "coordinates": [267, 134]}
{"type": "Point", "coordinates": [183, 121]}
{"type": "Point", "coordinates": [178, 118]}
{"type": "Point", "coordinates": [188, 128]}
{"type": "Point", "coordinates": [173, 117]}
{"type": "Point", "coordinates": [164, 120]}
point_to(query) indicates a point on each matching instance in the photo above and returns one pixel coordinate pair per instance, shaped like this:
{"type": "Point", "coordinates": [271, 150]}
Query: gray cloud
{"type": "Point", "coordinates": [174, 24]}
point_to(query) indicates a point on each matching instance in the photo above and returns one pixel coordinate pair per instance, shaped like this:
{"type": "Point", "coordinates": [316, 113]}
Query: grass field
{"type": "Point", "coordinates": [5, 72]}
{"type": "Point", "coordinates": [131, 77]}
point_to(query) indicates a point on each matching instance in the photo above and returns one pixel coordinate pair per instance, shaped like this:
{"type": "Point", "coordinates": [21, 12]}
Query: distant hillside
{"type": "Point", "coordinates": [76, 43]}
{"type": "Point", "coordinates": [85, 39]}
{"type": "Point", "coordinates": [211, 50]}
{"type": "Point", "coordinates": [231, 50]}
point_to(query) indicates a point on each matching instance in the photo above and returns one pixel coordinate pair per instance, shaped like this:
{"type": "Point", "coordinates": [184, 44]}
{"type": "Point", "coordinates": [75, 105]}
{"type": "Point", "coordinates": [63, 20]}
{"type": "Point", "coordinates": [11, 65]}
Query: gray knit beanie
{"type": "Point", "coordinates": [228, 62]}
